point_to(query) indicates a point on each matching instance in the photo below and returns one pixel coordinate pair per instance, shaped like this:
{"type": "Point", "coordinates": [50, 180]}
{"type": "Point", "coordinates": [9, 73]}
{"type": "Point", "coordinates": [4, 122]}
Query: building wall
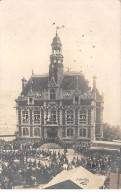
{"type": "Point", "coordinates": [61, 126]}
{"type": "Point", "coordinates": [99, 120]}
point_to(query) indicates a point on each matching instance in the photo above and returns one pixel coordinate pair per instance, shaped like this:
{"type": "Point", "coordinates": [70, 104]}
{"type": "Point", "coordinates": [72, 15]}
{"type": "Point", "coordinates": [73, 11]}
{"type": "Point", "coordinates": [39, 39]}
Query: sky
{"type": "Point", "coordinates": [90, 40]}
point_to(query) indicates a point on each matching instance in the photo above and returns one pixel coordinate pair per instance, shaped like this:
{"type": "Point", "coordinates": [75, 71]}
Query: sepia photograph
{"type": "Point", "coordinates": [60, 94]}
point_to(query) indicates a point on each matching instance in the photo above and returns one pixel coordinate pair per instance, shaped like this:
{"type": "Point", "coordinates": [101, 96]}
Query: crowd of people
{"type": "Point", "coordinates": [23, 166]}
{"type": "Point", "coordinates": [26, 164]}
{"type": "Point", "coordinates": [32, 143]}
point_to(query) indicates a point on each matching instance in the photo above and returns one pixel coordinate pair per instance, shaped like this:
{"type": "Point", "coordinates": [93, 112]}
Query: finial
{"type": "Point", "coordinates": [94, 77]}
{"type": "Point", "coordinates": [56, 32]}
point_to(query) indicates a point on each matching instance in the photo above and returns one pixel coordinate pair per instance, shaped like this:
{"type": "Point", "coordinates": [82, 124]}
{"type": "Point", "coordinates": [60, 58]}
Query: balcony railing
{"type": "Point", "coordinates": [51, 123]}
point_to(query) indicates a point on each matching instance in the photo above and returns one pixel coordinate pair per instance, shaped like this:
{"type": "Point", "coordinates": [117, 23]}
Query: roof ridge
{"type": "Point", "coordinates": [42, 75]}
{"type": "Point", "coordinates": [72, 73]}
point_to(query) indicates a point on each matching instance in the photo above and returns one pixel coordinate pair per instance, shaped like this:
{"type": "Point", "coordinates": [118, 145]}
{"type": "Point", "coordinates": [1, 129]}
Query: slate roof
{"type": "Point", "coordinates": [70, 82]}
{"type": "Point", "coordinates": [38, 84]}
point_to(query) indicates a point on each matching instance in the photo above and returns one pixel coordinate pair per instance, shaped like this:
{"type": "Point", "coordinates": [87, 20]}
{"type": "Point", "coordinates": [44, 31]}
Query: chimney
{"type": "Point", "coordinates": [94, 82]}
{"type": "Point", "coordinates": [24, 82]}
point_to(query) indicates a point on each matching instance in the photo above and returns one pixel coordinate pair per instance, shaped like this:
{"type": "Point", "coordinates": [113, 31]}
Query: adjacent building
{"type": "Point", "coordinates": [59, 104]}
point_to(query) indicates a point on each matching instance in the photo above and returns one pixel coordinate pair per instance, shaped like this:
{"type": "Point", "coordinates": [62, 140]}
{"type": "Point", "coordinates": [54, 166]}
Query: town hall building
{"type": "Point", "coordinates": [59, 104]}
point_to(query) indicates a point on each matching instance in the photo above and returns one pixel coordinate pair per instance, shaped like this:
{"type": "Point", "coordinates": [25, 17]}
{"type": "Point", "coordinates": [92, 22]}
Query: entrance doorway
{"type": "Point", "coordinates": [51, 133]}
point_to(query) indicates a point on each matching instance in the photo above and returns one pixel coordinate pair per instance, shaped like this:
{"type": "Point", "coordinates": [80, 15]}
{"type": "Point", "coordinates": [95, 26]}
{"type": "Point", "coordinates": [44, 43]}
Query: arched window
{"type": "Point", "coordinates": [52, 94]}
{"type": "Point", "coordinates": [25, 131]}
{"type": "Point", "coordinates": [70, 117]}
{"type": "Point", "coordinates": [76, 99]}
{"type": "Point", "coordinates": [70, 132]}
{"type": "Point", "coordinates": [36, 132]}
{"type": "Point", "coordinates": [83, 132]}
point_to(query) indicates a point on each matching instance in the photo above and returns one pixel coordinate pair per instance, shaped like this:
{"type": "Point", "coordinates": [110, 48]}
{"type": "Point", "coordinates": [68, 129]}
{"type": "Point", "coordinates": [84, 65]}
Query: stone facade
{"type": "Point", "coordinates": [59, 104]}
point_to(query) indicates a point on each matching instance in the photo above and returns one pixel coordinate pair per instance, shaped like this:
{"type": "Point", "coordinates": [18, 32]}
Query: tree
{"type": "Point", "coordinates": [111, 132]}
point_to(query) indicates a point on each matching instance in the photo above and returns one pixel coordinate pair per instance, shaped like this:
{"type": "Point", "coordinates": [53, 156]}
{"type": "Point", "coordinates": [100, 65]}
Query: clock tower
{"type": "Point", "coordinates": [56, 61]}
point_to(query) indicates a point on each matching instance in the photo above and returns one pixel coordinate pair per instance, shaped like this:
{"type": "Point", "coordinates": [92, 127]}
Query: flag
{"type": "Point", "coordinates": [57, 27]}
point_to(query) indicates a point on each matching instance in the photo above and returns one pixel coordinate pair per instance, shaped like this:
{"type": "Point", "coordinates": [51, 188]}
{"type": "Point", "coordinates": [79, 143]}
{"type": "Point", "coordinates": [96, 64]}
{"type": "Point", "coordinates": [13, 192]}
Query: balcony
{"type": "Point", "coordinates": [51, 123]}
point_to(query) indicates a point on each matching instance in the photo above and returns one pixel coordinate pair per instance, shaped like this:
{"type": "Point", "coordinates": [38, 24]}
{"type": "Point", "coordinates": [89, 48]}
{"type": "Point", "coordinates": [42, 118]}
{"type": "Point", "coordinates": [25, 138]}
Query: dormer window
{"type": "Point", "coordinates": [76, 100]}
{"type": "Point", "coordinates": [52, 94]}
{"type": "Point", "coordinates": [30, 101]}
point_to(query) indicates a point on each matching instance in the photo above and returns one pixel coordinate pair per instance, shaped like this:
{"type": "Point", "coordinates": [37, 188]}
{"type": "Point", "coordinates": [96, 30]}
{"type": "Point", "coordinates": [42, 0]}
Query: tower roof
{"type": "Point", "coordinates": [56, 42]}
{"type": "Point", "coordinates": [56, 39]}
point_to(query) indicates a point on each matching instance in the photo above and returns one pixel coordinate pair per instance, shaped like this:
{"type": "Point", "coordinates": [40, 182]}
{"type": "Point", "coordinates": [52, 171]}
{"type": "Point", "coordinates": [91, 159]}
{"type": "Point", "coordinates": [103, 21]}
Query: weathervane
{"type": "Point", "coordinates": [58, 27]}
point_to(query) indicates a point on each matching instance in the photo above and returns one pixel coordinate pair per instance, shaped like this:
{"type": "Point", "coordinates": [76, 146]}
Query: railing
{"type": "Point", "coordinates": [51, 123]}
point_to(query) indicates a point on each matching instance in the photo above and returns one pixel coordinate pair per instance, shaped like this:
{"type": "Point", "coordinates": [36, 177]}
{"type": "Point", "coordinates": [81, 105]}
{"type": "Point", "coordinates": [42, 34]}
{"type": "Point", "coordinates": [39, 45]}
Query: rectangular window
{"type": "Point", "coordinates": [70, 117]}
{"type": "Point", "coordinates": [25, 117]}
{"type": "Point", "coordinates": [53, 116]}
{"type": "Point", "coordinates": [36, 117]}
{"type": "Point", "coordinates": [82, 117]}
{"type": "Point", "coordinates": [25, 132]}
